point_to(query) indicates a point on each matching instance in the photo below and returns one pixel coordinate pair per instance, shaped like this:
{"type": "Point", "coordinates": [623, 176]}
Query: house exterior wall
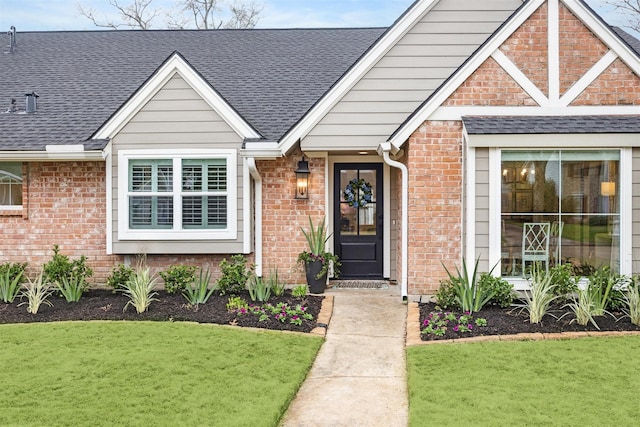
{"type": "Point", "coordinates": [434, 159]}
{"type": "Point", "coordinates": [177, 117]}
{"type": "Point", "coordinates": [432, 245]}
{"type": "Point", "coordinates": [283, 217]}
{"type": "Point", "coordinates": [408, 74]}
{"type": "Point", "coordinates": [59, 193]}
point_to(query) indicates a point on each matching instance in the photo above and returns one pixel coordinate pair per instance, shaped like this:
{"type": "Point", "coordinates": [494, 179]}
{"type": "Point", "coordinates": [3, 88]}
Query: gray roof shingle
{"type": "Point", "coordinates": [271, 77]}
{"type": "Point", "coordinates": [551, 124]}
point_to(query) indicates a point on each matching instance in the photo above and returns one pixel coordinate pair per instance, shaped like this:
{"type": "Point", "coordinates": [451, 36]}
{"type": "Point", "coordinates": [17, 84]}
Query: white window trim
{"type": "Point", "coordinates": [126, 233]}
{"type": "Point", "coordinates": [13, 208]}
{"type": "Point", "coordinates": [495, 211]}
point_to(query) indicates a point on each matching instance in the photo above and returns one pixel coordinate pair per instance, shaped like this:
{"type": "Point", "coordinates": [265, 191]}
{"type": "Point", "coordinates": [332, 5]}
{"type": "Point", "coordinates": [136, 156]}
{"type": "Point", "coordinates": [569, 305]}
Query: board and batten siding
{"type": "Point", "coordinates": [635, 266]}
{"type": "Point", "coordinates": [176, 117]}
{"type": "Point", "coordinates": [408, 74]}
{"type": "Point", "coordinates": [482, 208]}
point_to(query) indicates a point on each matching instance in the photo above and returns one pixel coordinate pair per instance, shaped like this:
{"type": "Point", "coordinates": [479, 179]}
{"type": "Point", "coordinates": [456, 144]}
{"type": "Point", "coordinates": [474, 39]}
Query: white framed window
{"type": "Point", "coordinates": [177, 194]}
{"type": "Point", "coordinates": [575, 201]}
{"type": "Point", "coordinates": [10, 185]}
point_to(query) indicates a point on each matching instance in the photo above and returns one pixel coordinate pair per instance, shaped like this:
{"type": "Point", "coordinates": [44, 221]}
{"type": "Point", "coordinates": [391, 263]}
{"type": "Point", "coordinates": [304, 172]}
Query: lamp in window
{"type": "Point", "coordinates": [608, 188]}
{"type": "Point", "coordinates": [302, 179]}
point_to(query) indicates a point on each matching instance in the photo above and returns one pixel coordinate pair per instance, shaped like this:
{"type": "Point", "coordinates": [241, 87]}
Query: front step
{"type": "Point", "coordinates": [360, 284]}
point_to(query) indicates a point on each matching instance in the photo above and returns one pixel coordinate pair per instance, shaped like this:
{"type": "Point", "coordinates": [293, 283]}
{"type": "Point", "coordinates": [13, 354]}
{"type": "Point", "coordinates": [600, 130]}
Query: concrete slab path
{"type": "Point", "coordinates": [359, 377]}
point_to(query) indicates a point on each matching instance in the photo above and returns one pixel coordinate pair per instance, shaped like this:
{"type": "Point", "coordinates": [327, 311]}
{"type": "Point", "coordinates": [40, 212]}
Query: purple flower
{"type": "Point", "coordinates": [456, 328]}
{"type": "Point", "coordinates": [470, 326]}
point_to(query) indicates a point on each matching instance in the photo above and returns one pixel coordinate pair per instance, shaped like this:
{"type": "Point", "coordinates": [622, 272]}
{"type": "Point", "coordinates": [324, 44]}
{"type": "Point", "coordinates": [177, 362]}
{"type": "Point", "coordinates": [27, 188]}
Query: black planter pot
{"type": "Point", "coordinates": [316, 286]}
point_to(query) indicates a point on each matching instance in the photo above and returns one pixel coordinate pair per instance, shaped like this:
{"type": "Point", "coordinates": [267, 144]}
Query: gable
{"type": "Point", "coordinates": [558, 60]}
{"type": "Point", "coordinates": [177, 114]}
{"type": "Point", "coordinates": [408, 71]}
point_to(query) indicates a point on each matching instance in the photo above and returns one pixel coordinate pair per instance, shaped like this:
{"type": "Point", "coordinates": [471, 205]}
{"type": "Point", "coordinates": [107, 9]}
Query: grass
{"type": "Point", "coordinates": [145, 373]}
{"type": "Point", "coordinates": [583, 382]}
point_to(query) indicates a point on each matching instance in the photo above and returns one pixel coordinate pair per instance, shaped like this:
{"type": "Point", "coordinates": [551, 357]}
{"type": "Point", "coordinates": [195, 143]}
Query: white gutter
{"type": "Point", "coordinates": [383, 150]}
{"type": "Point", "coordinates": [51, 156]}
{"type": "Point", "coordinates": [257, 179]}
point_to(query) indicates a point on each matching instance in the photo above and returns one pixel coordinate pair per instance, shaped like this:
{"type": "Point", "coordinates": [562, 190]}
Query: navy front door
{"type": "Point", "coordinates": [358, 219]}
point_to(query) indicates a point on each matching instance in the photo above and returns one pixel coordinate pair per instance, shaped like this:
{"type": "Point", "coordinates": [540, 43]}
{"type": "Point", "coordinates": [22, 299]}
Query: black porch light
{"type": "Point", "coordinates": [302, 179]}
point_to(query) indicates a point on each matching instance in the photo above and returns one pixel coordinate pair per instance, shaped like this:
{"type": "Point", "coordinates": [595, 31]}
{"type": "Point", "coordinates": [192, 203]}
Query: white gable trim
{"type": "Point", "coordinates": [357, 72]}
{"type": "Point", "coordinates": [520, 78]}
{"type": "Point", "coordinates": [589, 77]}
{"type": "Point", "coordinates": [606, 35]}
{"type": "Point", "coordinates": [175, 65]}
{"type": "Point", "coordinates": [553, 36]}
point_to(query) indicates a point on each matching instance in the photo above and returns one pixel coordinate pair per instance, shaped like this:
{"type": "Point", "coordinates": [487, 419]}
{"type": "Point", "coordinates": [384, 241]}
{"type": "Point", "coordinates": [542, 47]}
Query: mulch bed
{"type": "Point", "coordinates": [102, 304]}
{"type": "Point", "coordinates": [509, 321]}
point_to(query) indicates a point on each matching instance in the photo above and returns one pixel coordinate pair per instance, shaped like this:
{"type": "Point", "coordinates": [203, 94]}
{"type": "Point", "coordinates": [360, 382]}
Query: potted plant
{"type": "Point", "coordinates": [316, 260]}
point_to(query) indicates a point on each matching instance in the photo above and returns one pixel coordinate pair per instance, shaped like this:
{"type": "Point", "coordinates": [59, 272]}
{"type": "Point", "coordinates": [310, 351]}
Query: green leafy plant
{"type": "Point", "coordinates": [37, 293]}
{"type": "Point", "coordinates": [11, 277]}
{"type": "Point", "coordinates": [437, 323]}
{"type": "Point", "coordinates": [235, 274]}
{"type": "Point", "coordinates": [178, 277]}
{"type": "Point", "coordinates": [119, 276]}
{"type": "Point", "coordinates": [277, 288]}
{"type": "Point", "coordinates": [501, 290]}
{"type": "Point", "coordinates": [564, 279]}
{"type": "Point", "coordinates": [632, 301]}
{"type": "Point", "coordinates": [446, 294]}
{"type": "Point", "coordinates": [601, 284]}
{"type": "Point", "coordinates": [236, 303]}
{"type": "Point", "coordinates": [582, 307]}
{"type": "Point", "coordinates": [259, 289]}
{"type": "Point", "coordinates": [139, 289]}
{"type": "Point", "coordinates": [282, 312]}
{"type": "Point", "coordinates": [539, 297]}
{"type": "Point", "coordinates": [317, 239]}
{"type": "Point", "coordinates": [198, 292]}
{"type": "Point", "coordinates": [61, 266]}
{"type": "Point", "coordinates": [470, 296]}
{"type": "Point", "coordinates": [72, 287]}
{"type": "Point", "coordinates": [300, 291]}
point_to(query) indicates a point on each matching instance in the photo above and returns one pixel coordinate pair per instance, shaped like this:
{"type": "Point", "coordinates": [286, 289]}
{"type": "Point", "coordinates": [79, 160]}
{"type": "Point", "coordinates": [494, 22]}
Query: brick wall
{"type": "Point", "coordinates": [489, 85]}
{"type": "Point", "coordinates": [528, 48]}
{"type": "Point", "coordinates": [434, 157]}
{"type": "Point", "coordinates": [283, 215]}
{"type": "Point", "coordinates": [64, 206]}
{"type": "Point", "coordinates": [580, 49]}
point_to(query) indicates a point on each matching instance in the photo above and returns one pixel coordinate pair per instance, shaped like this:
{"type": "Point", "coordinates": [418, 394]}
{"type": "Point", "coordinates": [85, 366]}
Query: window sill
{"type": "Point", "coordinates": [11, 211]}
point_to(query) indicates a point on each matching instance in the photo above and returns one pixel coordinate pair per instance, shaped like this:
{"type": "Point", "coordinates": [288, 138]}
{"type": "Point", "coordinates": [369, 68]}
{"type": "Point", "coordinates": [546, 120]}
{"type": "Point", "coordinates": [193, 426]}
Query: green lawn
{"type": "Point", "coordinates": [583, 382]}
{"type": "Point", "coordinates": [149, 374]}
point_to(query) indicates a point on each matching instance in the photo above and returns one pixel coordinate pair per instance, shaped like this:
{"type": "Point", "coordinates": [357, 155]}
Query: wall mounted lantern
{"type": "Point", "coordinates": [302, 179]}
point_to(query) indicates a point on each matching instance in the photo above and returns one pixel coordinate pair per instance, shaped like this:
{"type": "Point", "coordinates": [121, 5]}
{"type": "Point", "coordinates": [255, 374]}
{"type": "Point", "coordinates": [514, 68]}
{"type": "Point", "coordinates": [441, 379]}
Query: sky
{"type": "Point", "coordinates": [58, 15]}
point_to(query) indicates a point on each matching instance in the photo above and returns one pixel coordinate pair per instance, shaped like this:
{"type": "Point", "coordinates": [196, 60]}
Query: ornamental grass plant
{"type": "Point", "coordinates": [139, 289]}
{"type": "Point", "coordinates": [539, 297]}
{"type": "Point", "coordinates": [10, 281]}
{"type": "Point", "coordinates": [197, 291]}
{"type": "Point", "coordinates": [37, 292]}
{"type": "Point", "coordinates": [632, 301]}
{"type": "Point", "coordinates": [469, 295]}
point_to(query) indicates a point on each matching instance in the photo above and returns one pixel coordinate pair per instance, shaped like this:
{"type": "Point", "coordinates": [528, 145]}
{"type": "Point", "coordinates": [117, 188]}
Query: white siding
{"type": "Point", "coordinates": [408, 74]}
{"type": "Point", "coordinates": [176, 117]}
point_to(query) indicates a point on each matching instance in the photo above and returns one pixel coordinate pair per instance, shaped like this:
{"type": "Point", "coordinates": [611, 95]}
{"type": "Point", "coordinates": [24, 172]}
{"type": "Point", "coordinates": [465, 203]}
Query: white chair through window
{"type": "Point", "coordinates": [535, 243]}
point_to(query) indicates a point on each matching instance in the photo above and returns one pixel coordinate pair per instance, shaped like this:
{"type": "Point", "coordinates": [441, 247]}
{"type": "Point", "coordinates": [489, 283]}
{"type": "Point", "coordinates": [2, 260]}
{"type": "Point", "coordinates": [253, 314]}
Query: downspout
{"type": "Point", "coordinates": [384, 150]}
{"type": "Point", "coordinates": [257, 180]}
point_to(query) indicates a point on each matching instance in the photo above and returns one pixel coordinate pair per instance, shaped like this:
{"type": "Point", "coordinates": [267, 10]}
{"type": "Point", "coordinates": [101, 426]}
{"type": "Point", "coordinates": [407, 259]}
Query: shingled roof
{"type": "Point", "coordinates": [271, 77]}
{"type": "Point", "coordinates": [551, 125]}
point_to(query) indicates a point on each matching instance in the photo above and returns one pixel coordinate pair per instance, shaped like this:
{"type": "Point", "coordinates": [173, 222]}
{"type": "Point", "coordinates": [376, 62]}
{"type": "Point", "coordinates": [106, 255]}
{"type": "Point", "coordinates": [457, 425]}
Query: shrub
{"type": "Point", "coordinates": [501, 290]}
{"type": "Point", "coordinates": [446, 294]}
{"type": "Point", "coordinates": [11, 277]}
{"type": "Point", "coordinates": [198, 292]}
{"type": "Point", "coordinates": [178, 277]}
{"type": "Point", "coordinates": [72, 287]}
{"type": "Point", "coordinates": [300, 291]}
{"type": "Point", "coordinates": [564, 280]}
{"type": "Point", "coordinates": [61, 266]}
{"type": "Point", "coordinates": [235, 274]}
{"type": "Point", "coordinates": [469, 295]}
{"type": "Point", "coordinates": [37, 293]}
{"type": "Point", "coordinates": [119, 277]}
{"type": "Point", "coordinates": [139, 289]}
{"type": "Point", "coordinates": [540, 296]}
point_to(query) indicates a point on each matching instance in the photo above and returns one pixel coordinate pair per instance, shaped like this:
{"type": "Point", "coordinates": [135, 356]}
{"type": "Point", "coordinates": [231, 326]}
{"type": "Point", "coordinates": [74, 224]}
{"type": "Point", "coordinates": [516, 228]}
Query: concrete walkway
{"type": "Point", "coordinates": [359, 377]}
